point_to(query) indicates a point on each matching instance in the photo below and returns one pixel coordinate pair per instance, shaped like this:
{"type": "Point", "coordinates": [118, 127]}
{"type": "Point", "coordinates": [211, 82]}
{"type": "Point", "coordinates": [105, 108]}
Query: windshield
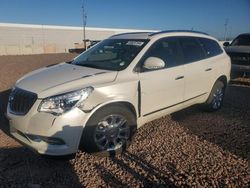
{"type": "Point", "coordinates": [111, 54]}
{"type": "Point", "coordinates": [243, 40]}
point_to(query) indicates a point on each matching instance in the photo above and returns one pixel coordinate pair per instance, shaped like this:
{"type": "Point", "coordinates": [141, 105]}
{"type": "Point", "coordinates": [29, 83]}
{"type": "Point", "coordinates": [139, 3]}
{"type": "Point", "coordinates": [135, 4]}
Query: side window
{"type": "Point", "coordinates": [166, 49]}
{"type": "Point", "coordinates": [192, 50]}
{"type": "Point", "coordinates": [211, 47]}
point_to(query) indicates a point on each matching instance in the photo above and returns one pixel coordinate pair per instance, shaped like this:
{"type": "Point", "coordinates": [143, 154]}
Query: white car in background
{"type": "Point", "coordinates": [97, 101]}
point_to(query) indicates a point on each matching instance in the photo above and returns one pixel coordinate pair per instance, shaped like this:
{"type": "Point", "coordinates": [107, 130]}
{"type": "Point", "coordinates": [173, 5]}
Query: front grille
{"type": "Point", "coordinates": [21, 101]}
{"type": "Point", "coordinates": [240, 58]}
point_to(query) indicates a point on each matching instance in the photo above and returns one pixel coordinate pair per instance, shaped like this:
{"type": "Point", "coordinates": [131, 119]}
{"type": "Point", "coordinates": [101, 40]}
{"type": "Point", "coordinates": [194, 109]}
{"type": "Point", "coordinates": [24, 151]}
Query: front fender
{"type": "Point", "coordinates": [104, 95]}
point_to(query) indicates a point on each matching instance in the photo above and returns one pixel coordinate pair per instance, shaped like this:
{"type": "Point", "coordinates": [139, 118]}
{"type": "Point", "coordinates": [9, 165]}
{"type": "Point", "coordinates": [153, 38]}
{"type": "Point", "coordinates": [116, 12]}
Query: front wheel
{"type": "Point", "coordinates": [109, 131]}
{"type": "Point", "coordinates": [216, 97]}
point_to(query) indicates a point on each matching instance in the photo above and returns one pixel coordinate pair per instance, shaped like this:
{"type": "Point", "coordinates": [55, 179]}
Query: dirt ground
{"type": "Point", "coordinates": [189, 148]}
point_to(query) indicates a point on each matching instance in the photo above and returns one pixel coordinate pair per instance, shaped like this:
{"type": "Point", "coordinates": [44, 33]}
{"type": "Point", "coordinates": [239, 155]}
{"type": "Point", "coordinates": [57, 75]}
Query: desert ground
{"type": "Point", "coordinates": [189, 148]}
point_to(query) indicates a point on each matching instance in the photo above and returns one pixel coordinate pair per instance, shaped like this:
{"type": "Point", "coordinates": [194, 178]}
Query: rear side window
{"type": "Point", "coordinates": [192, 49]}
{"type": "Point", "coordinates": [211, 47]}
{"type": "Point", "coordinates": [168, 50]}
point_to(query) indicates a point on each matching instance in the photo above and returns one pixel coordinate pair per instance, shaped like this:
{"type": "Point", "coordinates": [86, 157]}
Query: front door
{"type": "Point", "coordinates": [164, 88]}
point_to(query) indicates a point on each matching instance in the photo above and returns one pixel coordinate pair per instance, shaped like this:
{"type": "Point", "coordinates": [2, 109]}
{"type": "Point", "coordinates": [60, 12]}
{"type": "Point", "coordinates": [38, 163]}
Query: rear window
{"type": "Point", "coordinates": [211, 47]}
{"type": "Point", "coordinates": [192, 50]}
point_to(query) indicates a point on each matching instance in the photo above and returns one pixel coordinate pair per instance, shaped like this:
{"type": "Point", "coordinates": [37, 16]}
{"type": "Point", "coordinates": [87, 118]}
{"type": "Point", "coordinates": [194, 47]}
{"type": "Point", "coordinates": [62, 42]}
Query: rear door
{"type": "Point", "coordinates": [214, 60]}
{"type": "Point", "coordinates": [162, 89]}
{"type": "Point", "coordinates": [197, 68]}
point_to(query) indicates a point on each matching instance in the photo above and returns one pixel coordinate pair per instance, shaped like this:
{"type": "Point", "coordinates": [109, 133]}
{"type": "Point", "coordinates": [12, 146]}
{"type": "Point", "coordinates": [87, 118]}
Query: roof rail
{"type": "Point", "coordinates": [171, 31]}
{"type": "Point", "coordinates": [133, 33]}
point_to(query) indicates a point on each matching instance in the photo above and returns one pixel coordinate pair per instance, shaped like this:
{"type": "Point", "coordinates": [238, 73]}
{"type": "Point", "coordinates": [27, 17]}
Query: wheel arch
{"type": "Point", "coordinates": [223, 79]}
{"type": "Point", "coordinates": [126, 104]}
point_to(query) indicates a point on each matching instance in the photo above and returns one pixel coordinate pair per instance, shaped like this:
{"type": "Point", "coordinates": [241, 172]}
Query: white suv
{"type": "Point", "coordinates": [97, 101]}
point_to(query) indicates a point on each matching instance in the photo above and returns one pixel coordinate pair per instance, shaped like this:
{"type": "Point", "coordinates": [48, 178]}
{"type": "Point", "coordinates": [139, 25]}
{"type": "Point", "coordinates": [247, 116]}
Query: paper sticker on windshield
{"type": "Point", "coordinates": [135, 43]}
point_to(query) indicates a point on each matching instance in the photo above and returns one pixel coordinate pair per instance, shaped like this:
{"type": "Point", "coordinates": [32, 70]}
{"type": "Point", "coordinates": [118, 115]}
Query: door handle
{"type": "Point", "coordinates": [179, 77]}
{"type": "Point", "coordinates": [208, 69]}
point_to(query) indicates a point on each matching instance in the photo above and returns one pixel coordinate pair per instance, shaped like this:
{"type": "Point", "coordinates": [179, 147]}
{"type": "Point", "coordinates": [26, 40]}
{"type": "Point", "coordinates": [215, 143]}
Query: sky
{"type": "Point", "coordinates": [203, 15]}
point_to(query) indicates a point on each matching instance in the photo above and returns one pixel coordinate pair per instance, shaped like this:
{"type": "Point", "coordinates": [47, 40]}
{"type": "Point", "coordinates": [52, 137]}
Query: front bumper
{"type": "Point", "coordinates": [240, 68]}
{"type": "Point", "coordinates": [32, 129]}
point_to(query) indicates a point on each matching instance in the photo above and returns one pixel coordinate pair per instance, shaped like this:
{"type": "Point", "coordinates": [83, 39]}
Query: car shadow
{"type": "Point", "coordinates": [20, 167]}
{"type": "Point", "coordinates": [141, 171]}
{"type": "Point", "coordinates": [228, 128]}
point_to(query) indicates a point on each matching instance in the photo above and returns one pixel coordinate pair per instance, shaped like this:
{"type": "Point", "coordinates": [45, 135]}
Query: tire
{"type": "Point", "coordinates": [216, 97]}
{"type": "Point", "coordinates": [102, 137]}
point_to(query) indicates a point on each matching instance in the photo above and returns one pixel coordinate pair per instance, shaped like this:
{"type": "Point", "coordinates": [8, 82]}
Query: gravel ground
{"type": "Point", "coordinates": [189, 148]}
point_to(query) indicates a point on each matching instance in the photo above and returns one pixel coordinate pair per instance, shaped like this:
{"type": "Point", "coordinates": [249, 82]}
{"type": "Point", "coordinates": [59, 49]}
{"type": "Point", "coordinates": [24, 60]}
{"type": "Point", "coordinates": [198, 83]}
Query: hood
{"type": "Point", "coordinates": [238, 49]}
{"type": "Point", "coordinates": [62, 78]}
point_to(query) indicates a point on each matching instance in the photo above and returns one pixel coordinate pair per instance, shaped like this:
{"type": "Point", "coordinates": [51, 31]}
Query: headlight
{"type": "Point", "coordinates": [62, 103]}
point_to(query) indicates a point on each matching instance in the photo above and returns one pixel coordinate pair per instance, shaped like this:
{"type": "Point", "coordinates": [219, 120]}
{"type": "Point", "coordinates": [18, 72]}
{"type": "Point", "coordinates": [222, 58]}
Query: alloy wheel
{"type": "Point", "coordinates": [112, 132]}
{"type": "Point", "coordinates": [217, 98]}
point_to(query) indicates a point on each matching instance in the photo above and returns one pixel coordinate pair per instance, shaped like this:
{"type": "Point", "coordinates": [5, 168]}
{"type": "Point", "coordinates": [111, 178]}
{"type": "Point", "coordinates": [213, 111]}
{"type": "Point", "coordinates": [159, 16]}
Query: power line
{"type": "Point", "coordinates": [84, 23]}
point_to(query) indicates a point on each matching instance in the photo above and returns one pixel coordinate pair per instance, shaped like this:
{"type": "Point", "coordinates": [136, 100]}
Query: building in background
{"type": "Point", "coordinates": [19, 39]}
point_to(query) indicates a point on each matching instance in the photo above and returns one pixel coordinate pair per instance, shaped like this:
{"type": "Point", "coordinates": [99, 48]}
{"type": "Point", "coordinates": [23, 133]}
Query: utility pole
{"type": "Point", "coordinates": [84, 22]}
{"type": "Point", "coordinates": [225, 25]}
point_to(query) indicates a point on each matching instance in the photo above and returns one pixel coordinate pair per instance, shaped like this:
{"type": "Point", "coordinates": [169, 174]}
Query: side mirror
{"type": "Point", "coordinates": [153, 63]}
{"type": "Point", "coordinates": [226, 44]}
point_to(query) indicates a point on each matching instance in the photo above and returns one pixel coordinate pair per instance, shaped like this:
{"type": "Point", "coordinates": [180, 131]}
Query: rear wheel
{"type": "Point", "coordinates": [216, 97]}
{"type": "Point", "coordinates": [109, 131]}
